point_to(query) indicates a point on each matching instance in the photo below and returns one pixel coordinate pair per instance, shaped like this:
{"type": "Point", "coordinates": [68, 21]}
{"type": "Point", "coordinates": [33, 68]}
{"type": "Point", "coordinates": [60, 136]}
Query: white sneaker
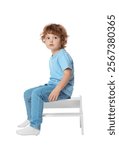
{"type": "Point", "coordinates": [28, 131]}
{"type": "Point", "coordinates": [24, 124]}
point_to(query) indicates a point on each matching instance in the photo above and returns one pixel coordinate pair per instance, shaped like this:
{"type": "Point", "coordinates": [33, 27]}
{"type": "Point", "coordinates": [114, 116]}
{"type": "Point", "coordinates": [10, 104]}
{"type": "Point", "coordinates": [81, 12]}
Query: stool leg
{"type": "Point", "coordinates": [81, 116]}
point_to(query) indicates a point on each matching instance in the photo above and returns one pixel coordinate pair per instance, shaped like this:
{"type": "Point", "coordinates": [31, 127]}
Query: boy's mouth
{"type": "Point", "coordinates": [51, 45]}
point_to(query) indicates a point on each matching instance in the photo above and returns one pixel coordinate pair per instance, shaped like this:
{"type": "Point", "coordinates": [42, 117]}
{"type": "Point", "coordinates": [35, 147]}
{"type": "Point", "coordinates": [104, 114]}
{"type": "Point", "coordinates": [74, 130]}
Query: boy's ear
{"type": "Point", "coordinates": [44, 40]}
{"type": "Point", "coordinates": [65, 39]}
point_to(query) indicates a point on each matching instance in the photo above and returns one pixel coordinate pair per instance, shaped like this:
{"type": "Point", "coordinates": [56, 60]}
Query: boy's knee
{"type": "Point", "coordinates": [37, 92]}
{"type": "Point", "coordinates": [27, 94]}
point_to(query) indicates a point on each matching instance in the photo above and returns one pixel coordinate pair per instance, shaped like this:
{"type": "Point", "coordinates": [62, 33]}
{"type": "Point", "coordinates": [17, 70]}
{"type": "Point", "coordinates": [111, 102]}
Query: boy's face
{"type": "Point", "coordinates": [52, 42]}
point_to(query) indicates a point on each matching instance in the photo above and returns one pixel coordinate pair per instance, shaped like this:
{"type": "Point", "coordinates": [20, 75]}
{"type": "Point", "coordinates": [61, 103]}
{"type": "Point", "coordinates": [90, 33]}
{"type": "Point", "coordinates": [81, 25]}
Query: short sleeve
{"type": "Point", "coordinates": [65, 61]}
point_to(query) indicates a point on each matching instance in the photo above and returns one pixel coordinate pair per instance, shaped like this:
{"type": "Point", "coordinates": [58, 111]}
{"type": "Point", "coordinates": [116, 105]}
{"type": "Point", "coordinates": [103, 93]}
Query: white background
{"type": "Point", "coordinates": [24, 64]}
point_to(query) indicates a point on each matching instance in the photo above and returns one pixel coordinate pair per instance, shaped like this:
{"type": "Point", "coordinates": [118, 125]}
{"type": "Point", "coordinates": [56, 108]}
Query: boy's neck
{"type": "Point", "coordinates": [54, 51]}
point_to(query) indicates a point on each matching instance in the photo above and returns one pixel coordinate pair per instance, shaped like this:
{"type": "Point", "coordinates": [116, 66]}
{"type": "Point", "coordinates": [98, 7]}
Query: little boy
{"type": "Point", "coordinates": [60, 85]}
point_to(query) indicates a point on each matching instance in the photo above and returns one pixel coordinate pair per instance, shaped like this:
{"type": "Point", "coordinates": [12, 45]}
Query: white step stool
{"type": "Point", "coordinates": [74, 102]}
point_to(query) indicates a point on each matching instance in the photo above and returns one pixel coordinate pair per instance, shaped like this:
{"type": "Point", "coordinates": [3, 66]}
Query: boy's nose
{"type": "Point", "coordinates": [51, 39]}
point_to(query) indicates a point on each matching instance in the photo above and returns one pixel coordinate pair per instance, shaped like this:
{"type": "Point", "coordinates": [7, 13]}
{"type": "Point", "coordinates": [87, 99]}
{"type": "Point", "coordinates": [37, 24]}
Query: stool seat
{"type": "Point", "coordinates": [74, 102]}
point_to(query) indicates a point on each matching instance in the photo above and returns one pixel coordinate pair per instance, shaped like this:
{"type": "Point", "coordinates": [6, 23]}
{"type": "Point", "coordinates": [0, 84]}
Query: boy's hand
{"type": "Point", "coordinates": [54, 95]}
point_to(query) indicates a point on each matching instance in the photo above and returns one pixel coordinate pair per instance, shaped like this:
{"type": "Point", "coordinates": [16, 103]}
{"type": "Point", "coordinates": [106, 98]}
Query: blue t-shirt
{"type": "Point", "coordinates": [58, 63]}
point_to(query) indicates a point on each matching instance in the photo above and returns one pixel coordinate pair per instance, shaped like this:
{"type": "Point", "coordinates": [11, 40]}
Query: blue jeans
{"type": "Point", "coordinates": [34, 100]}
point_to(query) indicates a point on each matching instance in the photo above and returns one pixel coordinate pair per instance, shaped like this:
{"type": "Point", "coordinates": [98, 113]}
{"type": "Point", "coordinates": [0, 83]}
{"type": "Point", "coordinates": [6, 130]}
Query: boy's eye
{"type": "Point", "coordinates": [55, 37]}
{"type": "Point", "coordinates": [48, 38]}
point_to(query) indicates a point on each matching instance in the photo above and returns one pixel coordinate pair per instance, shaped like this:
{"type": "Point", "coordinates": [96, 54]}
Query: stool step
{"type": "Point", "coordinates": [61, 114]}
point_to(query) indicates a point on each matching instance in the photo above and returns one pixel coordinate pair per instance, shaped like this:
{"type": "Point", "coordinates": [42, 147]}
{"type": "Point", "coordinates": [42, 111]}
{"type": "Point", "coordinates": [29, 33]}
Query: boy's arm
{"type": "Point", "coordinates": [55, 93]}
